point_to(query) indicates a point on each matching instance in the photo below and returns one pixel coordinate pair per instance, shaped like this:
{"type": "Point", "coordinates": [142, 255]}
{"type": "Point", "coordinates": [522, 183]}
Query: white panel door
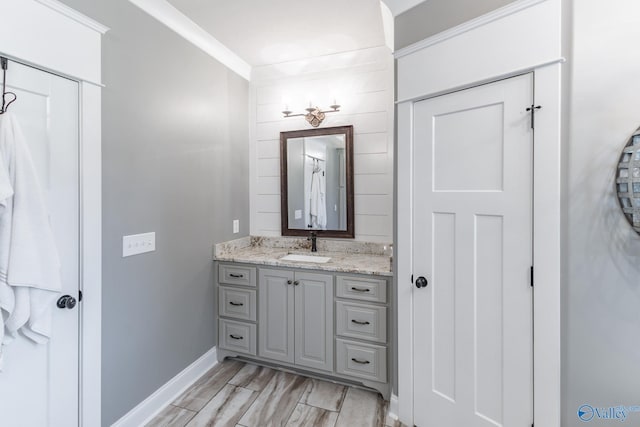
{"type": "Point", "coordinates": [39, 384]}
{"type": "Point", "coordinates": [472, 243]}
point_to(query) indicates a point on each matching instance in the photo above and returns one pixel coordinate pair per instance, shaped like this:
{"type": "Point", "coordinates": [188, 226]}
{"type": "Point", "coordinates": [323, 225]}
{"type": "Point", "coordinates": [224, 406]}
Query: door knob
{"type": "Point", "coordinates": [421, 282]}
{"type": "Point", "coordinates": [66, 301]}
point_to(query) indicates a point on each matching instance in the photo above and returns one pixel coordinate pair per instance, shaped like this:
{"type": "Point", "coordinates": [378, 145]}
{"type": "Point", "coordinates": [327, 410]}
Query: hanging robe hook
{"type": "Point", "coordinates": [4, 64]}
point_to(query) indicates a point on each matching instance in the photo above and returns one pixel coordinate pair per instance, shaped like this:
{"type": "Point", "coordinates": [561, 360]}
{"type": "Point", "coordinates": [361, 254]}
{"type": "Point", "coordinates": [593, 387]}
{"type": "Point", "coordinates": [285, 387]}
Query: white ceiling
{"type": "Point", "coordinates": [274, 31]}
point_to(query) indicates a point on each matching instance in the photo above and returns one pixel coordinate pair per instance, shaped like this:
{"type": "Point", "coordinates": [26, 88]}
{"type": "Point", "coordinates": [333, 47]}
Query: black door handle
{"type": "Point", "coordinates": [421, 282]}
{"type": "Point", "coordinates": [66, 301]}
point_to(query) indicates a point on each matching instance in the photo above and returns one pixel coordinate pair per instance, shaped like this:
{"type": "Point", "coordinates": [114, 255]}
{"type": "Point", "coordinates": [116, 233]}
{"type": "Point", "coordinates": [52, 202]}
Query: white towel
{"type": "Point", "coordinates": [322, 206]}
{"type": "Point", "coordinates": [30, 278]}
{"type": "Point", "coordinates": [318, 204]}
{"type": "Point", "coordinates": [6, 293]}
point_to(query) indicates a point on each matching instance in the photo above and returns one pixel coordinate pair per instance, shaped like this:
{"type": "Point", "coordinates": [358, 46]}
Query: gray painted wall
{"type": "Point", "coordinates": [601, 306]}
{"type": "Point", "coordinates": [433, 16]}
{"type": "Point", "coordinates": [175, 161]}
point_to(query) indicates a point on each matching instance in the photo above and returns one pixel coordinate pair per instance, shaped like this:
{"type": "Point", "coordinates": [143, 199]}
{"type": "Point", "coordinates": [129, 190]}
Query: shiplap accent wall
{"type": "Point", "coordinates": [362, 82]}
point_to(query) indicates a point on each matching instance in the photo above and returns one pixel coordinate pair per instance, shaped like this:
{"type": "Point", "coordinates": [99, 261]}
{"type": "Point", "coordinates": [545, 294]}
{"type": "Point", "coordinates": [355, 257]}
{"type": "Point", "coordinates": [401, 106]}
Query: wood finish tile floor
{"type": "Point", "coordinates": [240, 394]}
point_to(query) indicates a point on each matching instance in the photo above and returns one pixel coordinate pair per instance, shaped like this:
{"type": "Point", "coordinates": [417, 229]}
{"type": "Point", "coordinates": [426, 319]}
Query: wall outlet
{"type": "Point", "coordinates": [298, 213]}
{"type": "Point", "coordinates": [236, 226]}
{"type": "Point", "coordinates": [138, 244]}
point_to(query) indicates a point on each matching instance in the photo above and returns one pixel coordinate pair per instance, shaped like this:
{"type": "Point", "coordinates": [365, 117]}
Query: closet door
{"type": "Point", "coordinates": [472, 255]}
{"type": "Point", "coordinates": [39, 382]}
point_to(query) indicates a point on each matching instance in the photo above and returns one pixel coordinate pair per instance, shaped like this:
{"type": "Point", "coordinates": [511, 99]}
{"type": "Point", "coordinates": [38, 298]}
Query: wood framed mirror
{"type": "Point", "coordinates": [316, 182]}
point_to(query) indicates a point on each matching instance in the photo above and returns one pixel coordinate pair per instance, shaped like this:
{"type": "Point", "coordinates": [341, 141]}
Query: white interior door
{"type": "Point", "coordinates": [472, 242]}
{"type": "Point", "coordinates": [39, 384]}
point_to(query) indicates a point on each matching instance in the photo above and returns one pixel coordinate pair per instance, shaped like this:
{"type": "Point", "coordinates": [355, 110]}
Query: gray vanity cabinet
{"type": "Point", "coordinates": [276, 314]}
{"type": "Point", "coordinates": [329, 324]}
{"type": "Point", "coordinates": [361, 328]}
{"type": "Point", "coordinates": [296, 318]}
{"type": "Point", "coordinates": [314, 320]}
{"type": "Point", "coordinates": [237, 308]}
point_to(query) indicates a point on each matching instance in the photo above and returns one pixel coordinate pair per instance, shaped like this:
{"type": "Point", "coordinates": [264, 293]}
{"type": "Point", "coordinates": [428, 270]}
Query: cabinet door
{"type": "Point", "coordinates": [314, 320]}
{"type": "Point", "coordinates": [275, 304]}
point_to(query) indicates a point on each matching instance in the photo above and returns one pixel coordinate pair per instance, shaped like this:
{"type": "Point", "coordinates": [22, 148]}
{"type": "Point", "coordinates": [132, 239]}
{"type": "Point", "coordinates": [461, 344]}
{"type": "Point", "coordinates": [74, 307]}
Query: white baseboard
{"type": "Point", "coordinates": [393, 408]}
{"type": "Point", "coordinates": [166, 394]}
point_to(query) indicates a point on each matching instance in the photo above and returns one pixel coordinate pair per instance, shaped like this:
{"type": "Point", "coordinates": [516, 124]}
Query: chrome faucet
{"type": "Point", "coordinates": [313, 237]}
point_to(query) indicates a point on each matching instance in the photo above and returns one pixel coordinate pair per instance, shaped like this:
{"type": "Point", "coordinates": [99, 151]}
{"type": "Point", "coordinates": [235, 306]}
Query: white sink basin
{"type": "Point", "coordinates": [305, 258]}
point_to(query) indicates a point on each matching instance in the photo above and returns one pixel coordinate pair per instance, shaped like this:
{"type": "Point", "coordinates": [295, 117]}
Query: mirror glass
{"type": "Point", "coordinates": [317, 182]}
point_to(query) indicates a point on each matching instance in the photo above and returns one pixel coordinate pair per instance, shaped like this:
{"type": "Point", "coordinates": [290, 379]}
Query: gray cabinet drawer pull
{"type": "Point", "coordinates": [289, 282]}
{"type": "Point", "coordinates": [296, 283]}
{"type": "Point", "coordinates": [357, 322]}
{"type": "Point", "coordinates": [362, 362]}
{"type": "Point", "coordinates": [238, 337]}
{"type": "Point", "coordinates": [353, 288]}
{"type": "Point", "coordinates": [238, 304]}
{"type": "Point", "coordinates": [237, 276]}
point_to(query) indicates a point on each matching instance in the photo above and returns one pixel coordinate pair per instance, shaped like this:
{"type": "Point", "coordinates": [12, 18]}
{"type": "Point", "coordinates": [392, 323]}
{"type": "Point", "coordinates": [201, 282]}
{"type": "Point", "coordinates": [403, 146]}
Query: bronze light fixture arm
{"type": "Point", "coordinates": [314, 115]}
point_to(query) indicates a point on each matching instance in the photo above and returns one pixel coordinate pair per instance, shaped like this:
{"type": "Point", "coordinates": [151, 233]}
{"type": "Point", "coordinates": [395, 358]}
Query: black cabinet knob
{"type": "Point", "coordinates": [421, 282]}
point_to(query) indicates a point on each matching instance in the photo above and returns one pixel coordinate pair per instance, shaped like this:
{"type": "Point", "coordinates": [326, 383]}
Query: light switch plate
{"type": "Point", "coordinates": [298, 213]}
{"type": "Point", "coordinates": [138, 244]}
{"type": "Point", "coordinates": [236, 226]}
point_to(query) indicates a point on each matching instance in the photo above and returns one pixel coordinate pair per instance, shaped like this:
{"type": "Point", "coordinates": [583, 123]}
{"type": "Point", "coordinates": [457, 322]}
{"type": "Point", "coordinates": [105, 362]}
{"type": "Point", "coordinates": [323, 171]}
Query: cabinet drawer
{"type": "Point", "coordinates": [237, 303]}
{"type": "Point", "coordinates": [361, 360]}
{"type": "Point", "coordinates": [237, 336]}
{"type": "Point", "coordinates": [367, 322]}
{"type": "Point", "coordinates": [236, 275]}
{"type": "Point", "coordinates": [362, 289]}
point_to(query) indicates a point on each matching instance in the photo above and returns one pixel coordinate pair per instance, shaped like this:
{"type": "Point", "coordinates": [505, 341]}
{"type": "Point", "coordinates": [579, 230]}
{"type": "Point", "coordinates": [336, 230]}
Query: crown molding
{"type": "Point", "coordinates": [73, 14]}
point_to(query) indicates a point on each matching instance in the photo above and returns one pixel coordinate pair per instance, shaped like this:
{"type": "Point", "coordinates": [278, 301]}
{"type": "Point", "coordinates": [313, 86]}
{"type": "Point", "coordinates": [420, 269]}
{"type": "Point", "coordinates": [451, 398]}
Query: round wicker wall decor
{"type": "Point", "coordinates": [628, 181]}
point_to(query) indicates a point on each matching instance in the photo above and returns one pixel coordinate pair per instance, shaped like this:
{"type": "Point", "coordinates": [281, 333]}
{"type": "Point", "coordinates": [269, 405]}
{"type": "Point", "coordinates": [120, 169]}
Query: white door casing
{"type": "Point", "coordinates": [39, 385]}
{"type": "Point", "coordinates": [51, 36]}
{"type": "Point", "coordinates": [472, 229]}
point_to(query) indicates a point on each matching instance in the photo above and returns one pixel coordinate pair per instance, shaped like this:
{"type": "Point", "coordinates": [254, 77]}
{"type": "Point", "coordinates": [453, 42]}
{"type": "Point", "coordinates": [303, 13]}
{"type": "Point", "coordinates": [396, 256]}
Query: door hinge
{"type": "Point", "coordinates": [412, 278]}
{"type": "Point", "coordinates": [532, 110]}
{"type": "Point", "coordinates": [532, 276]}
{"type": "Point", "coordinates": [79, 296]}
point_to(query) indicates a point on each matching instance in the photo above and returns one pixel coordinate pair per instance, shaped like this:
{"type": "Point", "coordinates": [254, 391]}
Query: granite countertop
{"type": "Point", "coordinates": [346, 256]}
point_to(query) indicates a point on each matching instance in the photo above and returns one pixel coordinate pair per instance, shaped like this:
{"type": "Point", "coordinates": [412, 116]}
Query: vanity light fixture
{"type": "Point", "coordinates": [314, 115]}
